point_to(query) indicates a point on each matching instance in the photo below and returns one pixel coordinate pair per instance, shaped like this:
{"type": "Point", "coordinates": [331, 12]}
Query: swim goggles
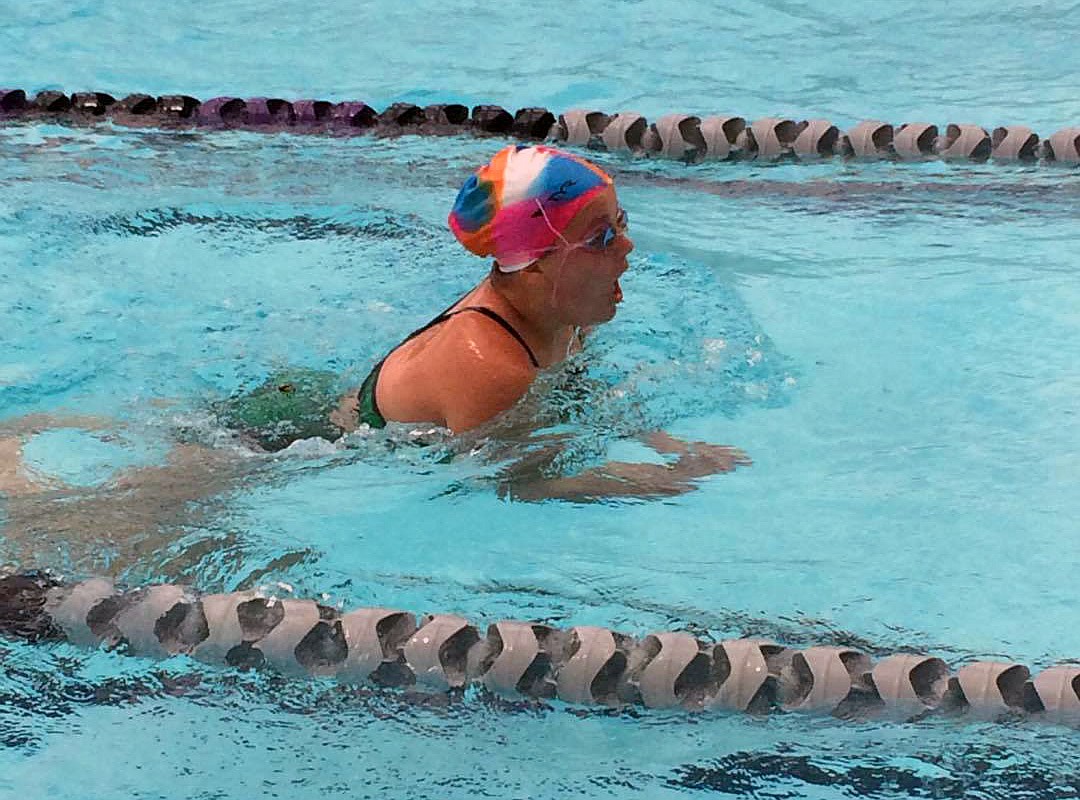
{"type": "Point", "coordinates": [599, 241]}
{"type": "Point", "coordinates": [606, 236]}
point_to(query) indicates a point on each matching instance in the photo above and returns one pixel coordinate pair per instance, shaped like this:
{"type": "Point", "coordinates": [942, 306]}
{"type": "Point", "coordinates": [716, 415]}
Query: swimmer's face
{"type": "Point", "coordinates": [584, 275]}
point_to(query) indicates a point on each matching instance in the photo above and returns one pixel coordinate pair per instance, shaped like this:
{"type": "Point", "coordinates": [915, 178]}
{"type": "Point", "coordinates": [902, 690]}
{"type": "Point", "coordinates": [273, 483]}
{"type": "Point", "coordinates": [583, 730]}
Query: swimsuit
{"type": "Point", "coordinates": [368, 409]}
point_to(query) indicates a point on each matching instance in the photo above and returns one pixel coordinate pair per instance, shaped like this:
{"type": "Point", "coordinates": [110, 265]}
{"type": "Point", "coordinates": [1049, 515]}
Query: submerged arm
{"type": "Point", "coordinates": [623, 479]}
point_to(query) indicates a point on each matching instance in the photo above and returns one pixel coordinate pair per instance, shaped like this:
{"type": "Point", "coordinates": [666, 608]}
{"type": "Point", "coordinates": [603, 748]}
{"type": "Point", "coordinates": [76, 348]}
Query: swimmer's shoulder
{"type": "Point", "coordinates": [474, 370]}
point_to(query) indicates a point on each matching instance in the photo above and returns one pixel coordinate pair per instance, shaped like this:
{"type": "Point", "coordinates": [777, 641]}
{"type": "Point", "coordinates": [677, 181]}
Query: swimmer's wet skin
{"type": "Point", "coordinates": [368, 407]}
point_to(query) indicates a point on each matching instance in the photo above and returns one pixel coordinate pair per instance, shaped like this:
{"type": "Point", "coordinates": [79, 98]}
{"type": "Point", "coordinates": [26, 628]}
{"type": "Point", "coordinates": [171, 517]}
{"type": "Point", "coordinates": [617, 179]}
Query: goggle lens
{"type": "Point", "coordinates": [604, 237]}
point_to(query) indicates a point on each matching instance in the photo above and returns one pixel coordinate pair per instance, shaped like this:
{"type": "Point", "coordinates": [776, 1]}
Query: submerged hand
{"type": "Point", "coordinates": [635, 479]}
{"type": "Point", "coordinates": [697, 459]}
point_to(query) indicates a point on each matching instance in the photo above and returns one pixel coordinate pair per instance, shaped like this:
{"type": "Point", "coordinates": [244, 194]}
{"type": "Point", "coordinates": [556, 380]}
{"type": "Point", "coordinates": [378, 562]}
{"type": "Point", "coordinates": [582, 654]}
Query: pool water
{"type": "Point", "coordinates": [896, 354]}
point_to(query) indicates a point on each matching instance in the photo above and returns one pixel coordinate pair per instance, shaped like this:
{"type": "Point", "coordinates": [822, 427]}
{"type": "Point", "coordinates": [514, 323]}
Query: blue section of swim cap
{"type": "Point", "coordinates": [473, 207]}
{"type": "Point", "coordinates": [568, 178]}
{"type": "Point", "coordinates": [80, 458]}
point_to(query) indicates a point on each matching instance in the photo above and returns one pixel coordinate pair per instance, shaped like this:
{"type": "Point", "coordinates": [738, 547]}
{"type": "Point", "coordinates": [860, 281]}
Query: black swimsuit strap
{"type": "Point", "coordinates": [506, 326]}
{"type": "Point", "coordinates": [487, 312]}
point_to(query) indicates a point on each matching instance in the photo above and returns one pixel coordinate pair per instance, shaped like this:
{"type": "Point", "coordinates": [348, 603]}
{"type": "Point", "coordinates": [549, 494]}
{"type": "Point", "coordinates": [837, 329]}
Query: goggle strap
{"type": "Point", "coordinates": [548, 223]}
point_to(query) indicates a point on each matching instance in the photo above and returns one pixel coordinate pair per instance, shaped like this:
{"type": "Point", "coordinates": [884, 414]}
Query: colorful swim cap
{"type": "Point", "coordinates": [510, 207]}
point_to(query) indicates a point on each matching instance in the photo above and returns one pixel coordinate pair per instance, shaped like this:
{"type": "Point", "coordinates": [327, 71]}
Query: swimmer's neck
{"type": "Point", "coordinates": [533, 317]}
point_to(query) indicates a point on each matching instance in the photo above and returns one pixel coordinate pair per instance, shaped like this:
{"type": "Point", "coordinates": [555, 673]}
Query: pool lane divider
{"type": "Point", "coordinates": [681, 137]}
{"type": "Point", "coordinates": [583, 665]}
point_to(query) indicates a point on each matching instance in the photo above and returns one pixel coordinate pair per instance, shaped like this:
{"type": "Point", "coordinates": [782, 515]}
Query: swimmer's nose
{"type": "Point", "coordinates": [626, 245]}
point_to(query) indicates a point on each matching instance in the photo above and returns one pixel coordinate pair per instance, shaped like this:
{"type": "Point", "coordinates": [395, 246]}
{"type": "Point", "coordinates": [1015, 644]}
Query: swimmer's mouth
{"type": "Point", "coordinates": [618, 292]}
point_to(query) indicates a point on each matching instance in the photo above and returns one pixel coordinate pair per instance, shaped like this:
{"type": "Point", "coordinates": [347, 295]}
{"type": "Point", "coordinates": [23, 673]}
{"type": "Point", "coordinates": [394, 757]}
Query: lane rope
{"type": "Point", "coordinates": [580, 665]}
{"type": "Point", "coordinates": [682, 137]}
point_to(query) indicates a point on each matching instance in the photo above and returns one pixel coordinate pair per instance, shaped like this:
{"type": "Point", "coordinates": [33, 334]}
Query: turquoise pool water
{"type": "Point", "coordinates": [897, 354]}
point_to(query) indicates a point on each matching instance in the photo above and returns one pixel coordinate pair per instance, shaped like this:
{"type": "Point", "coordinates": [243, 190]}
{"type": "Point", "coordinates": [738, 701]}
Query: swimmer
{"type": "Point", "coordinates": [558, 239]}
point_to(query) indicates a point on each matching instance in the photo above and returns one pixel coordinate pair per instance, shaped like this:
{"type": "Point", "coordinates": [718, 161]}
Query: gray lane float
{"type": "Point", "coordinates": [771, 138]}
{"type": "Point", "coordinates": [1014, 143]}
{"type": "Point", "coordinates": [580, 128]}
{"type": "Point", "coordinates": [822, 678]}
{"type": "Point", "coordinates": [586, 665]}
{"type": "Point", "coordinates": [818, 138]}
{"type": "Point", "coordinates": [373, 637]}
{"type": "Point", "coordinates": [512, 648]}
{"type": "Point", "coordinates": [1063, 146]}
{"type": "Point", "coordinates": [910, 685]}
{"type": "Point", "coordinates": [438, 651]}
{"type": "Point", "coordinates": [676, 136]}
{"type": "Point", "coordinates": [721, 135]}
{"type": "Point", "coordinates": [964, 143]}
{"type": "Point", "coordinates": [745, 674]}
{"type": "Point", "coordinates": [625, 132]}
{"type": "Point", "coordinates": [594, 660]}
{"type": "Point", "coordinates": [915, 141]}
{"type": "Point", "coordinates": [666, 657]}
{"type": "Point", "coordinates": [1058, 689]}
{"type": "Point", "coordinates": [872, 139]}
{"type": "Point", "coordinates": [993, 688]}
{"type": "Point", "coordinates": [683, 137]}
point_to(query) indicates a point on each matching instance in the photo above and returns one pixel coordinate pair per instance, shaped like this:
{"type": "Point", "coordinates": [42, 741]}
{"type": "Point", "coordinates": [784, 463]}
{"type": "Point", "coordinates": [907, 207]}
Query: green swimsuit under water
{"type": "Point", "coordinates": [290, 405]}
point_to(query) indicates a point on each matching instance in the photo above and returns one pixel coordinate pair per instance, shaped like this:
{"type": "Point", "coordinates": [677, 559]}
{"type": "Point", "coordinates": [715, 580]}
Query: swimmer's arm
{"type": "Point", "coordinates": [622, 479]}
{"type": "Point", "coordinates": [472, 403]}
{"type": "Point", "coordinates": [32, 424]}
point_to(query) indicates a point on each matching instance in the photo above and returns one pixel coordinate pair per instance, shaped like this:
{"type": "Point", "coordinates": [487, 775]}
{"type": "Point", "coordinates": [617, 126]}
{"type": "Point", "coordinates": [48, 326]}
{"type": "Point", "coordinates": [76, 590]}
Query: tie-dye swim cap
{"type": "Point", "coordinates": [515, 207]}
